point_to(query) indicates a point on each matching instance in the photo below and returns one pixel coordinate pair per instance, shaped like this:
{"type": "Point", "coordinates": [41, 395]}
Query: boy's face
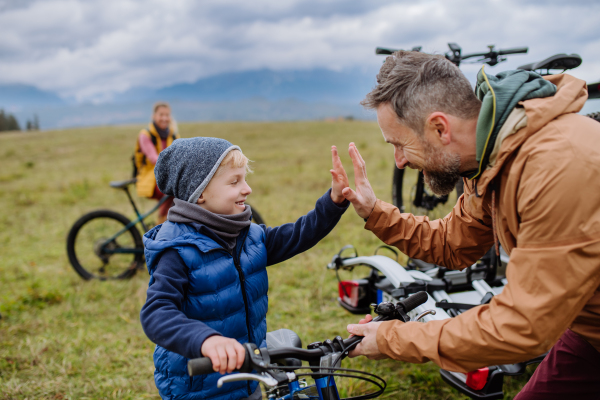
{"type": "Point", "coordinates": [226, 192]}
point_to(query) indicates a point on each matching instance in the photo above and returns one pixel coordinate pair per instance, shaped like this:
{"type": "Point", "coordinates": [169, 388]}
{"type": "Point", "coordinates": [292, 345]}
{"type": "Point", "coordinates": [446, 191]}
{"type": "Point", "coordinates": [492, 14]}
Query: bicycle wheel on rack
{"type": "Point", "coordinates": [96, 251]}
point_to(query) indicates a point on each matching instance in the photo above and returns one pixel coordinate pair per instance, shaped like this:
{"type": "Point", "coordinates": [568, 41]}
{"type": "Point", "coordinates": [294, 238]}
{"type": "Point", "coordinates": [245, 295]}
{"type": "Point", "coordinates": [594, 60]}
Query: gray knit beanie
{"type": "Point", "coordinates": [185, 168]}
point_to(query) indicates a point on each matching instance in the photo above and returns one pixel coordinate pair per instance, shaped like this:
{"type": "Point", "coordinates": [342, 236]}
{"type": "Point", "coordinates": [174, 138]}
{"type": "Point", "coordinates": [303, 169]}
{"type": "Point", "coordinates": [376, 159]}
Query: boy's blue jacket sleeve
{"type": "Point", "coordinates": [162, 319]}
{"type": "Point", "coordinates": [286, 241]}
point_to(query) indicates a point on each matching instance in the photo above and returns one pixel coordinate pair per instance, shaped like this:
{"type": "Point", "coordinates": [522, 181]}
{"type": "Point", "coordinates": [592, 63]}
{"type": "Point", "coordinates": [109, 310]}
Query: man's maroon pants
{"type": "Point", "coordinates": [571, 370]}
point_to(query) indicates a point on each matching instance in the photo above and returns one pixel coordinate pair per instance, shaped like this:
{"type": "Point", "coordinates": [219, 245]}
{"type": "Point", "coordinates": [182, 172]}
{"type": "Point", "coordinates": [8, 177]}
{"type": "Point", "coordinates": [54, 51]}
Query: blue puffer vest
{"type": "Point", "coordinates": [226, 292]}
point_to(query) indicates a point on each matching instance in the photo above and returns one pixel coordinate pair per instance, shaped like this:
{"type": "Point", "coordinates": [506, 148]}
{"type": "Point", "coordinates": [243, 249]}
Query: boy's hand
{"type": "Point", "coordinates": [226, 354]}
{"type": "Point", "coordinates": [364, 198]}
{"type": "Point", "coordinates": [340, 179]}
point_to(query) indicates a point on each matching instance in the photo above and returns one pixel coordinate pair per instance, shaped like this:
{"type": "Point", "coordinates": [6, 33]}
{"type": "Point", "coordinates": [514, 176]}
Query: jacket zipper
{"type": "Point", "coordinates": [236, 262]}
{"type": "Point", "coordinates": [238, 267]}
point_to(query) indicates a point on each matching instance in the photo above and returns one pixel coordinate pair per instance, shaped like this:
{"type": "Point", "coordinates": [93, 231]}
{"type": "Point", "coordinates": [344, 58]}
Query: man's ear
{"type": "Point", "coordinates": [437, 127]}
{"type": "Point", "coordinates": [201, 199]}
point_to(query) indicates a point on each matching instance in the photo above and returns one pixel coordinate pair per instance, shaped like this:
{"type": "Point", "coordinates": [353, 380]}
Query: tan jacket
{"type": "Point", "coordinates": [546, 181]}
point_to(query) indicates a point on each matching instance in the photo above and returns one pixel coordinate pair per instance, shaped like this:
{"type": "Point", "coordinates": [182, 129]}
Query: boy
{"type": "Point", "coordinates": [207, 263]}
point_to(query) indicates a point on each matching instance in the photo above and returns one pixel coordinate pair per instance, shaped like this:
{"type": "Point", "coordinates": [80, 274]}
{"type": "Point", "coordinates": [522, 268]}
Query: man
{"type": "Point", "coordinates": [531, 168]}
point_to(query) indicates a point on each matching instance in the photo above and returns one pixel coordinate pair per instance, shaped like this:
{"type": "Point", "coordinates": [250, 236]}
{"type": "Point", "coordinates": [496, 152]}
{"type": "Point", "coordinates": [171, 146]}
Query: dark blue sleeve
{"type": "Point", "coordinates": [162, 319]}
{"type": "Point", "coordinates": [285, 241]}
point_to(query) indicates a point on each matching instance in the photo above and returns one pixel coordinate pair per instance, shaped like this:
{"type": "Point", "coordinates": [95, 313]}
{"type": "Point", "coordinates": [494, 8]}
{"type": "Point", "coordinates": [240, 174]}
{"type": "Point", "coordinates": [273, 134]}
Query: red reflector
{"type": "Point", "coordinates": [477, 379]}
{"type": "Point", "coordinates": [348, 291]}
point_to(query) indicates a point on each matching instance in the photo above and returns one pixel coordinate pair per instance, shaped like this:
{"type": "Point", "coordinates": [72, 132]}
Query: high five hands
{"type": "Point", "coordinates": [362, 198]}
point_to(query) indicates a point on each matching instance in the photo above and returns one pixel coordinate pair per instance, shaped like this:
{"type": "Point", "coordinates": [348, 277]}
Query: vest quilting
{"type": "Point", "coordinates": [234, 305]}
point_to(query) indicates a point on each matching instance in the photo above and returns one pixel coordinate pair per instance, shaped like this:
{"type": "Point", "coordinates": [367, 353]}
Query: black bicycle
{"type": "Point", "coordinates": [104, 244]}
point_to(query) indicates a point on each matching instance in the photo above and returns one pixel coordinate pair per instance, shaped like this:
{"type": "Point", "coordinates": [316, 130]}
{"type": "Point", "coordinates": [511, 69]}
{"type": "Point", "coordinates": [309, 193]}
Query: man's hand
{"type": "Point", "coordinates": [363, 199]}
{"type": "Point", "coordinates": [340, 179]}
{"type": "Point", "coordinates": [226, 354]}
{"type": "Point", "coordinates": [368, 347]}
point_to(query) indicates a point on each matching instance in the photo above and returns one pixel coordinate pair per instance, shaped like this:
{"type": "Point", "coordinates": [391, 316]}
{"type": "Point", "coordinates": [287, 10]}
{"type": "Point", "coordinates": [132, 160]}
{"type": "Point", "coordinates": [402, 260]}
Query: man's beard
{"type": "Point", "coordinates": [442, 170]}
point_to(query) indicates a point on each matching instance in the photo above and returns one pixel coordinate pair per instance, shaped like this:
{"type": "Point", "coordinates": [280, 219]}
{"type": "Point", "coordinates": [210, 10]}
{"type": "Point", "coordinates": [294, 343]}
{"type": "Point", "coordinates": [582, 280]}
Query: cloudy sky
{"type": "Point", "coordinates": [89, 50]}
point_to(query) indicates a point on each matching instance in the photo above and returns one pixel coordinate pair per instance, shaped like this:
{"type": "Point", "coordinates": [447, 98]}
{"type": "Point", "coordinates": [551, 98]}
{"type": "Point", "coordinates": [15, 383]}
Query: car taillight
{"type": "Point", "coordinates": [477, 379]}
{"type": "Point", "coordinates": [352, 292]}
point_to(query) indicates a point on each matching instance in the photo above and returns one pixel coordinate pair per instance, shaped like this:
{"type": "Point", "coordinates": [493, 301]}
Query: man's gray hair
{"type": "Point", "coordinates": [418, 84]}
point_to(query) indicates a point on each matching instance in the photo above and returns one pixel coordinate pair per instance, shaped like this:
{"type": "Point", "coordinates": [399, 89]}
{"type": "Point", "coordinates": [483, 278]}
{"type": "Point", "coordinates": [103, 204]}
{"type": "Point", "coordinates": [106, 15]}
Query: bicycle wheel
{"type": "Point", "coordinates": [94, 255]}
{"type": "Point", "coordinates": [397, 198]}
{"type": "Point", "coordinates": [410, 194]}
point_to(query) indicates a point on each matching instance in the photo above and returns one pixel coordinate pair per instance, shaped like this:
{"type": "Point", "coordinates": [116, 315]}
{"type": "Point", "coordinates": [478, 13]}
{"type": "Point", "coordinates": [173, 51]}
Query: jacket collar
{"type": "Point", "coordinates": [171, 234]}
{"type": "Point", "coordinates": [499, 95]}
{"type": "Point", "coordinates": [570, 96]}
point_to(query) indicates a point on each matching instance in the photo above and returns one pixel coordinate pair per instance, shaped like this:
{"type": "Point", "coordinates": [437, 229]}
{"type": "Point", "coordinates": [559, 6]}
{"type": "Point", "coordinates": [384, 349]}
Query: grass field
{"type": "Point", "coordinates": [64, 338]}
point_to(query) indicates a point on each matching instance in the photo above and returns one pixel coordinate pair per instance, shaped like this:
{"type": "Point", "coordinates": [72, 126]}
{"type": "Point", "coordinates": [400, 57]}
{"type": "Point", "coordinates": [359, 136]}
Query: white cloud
{"type": "Point", "coordinates": [91, 49]}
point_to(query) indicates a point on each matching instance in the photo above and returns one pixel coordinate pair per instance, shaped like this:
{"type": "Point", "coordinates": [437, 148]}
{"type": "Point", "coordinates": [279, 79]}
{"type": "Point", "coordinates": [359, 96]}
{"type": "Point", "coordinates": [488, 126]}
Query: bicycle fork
{"type": "Point", "coordinates": [327, 388]}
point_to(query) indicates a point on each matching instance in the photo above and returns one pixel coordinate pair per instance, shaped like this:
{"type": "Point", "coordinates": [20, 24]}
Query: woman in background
{"type": "Point", "coordinates": [159, 135]}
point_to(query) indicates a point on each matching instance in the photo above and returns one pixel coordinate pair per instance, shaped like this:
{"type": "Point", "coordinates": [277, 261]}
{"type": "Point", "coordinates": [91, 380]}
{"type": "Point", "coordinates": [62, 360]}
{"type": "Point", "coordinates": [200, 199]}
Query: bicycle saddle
{"type": "Point", "coordinates": [122, 184]}
{"type": "Point", "coordinates": [284, 338]}
{"type": "Point", "coordinates": [557, 61]}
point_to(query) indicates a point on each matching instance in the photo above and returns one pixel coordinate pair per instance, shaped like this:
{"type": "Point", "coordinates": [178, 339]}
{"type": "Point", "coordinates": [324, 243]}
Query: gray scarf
{"type": "Point", "coordinates": [226, 227]}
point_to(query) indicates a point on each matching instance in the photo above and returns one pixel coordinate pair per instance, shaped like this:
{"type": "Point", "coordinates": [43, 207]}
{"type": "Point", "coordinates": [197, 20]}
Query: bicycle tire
{"type": "Point", "coordinates": [403, 196]}
{"type": "Point", "coordinates": [397, 188]}
{"type": "Point", "coordinates": [91, 263]}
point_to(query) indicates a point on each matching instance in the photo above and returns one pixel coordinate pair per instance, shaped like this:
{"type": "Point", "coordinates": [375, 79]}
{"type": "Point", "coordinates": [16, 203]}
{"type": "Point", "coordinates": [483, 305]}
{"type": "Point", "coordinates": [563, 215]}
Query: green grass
{"type": "Point", "coordinates": [63, 338]}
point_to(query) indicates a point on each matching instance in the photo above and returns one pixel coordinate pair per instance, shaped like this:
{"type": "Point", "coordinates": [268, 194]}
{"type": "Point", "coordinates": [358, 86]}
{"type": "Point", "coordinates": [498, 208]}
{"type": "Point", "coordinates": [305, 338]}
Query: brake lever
{"type": "Point", "coordinates": [424, 313]}
{"type": "Point", "coordinates": [264, 378]}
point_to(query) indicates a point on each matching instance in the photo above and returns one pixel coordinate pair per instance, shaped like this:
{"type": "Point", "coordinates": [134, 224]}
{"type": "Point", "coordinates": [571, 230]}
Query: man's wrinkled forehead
{"type": "Point", "coordinates": [393, 131]}
{"type": "Point", "coordinates": [387, 121]}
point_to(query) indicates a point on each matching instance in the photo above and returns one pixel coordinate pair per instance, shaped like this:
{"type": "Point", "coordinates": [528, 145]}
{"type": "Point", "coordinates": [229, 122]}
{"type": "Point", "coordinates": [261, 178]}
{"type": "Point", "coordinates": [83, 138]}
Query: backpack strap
{"type": "Point", "coordinates": [139, 158]}
{"type": "Point", "coordinates": [152, 137]}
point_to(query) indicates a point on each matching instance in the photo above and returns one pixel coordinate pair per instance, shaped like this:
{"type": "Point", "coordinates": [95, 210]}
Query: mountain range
{"type": "Point", "coordinates": [249, 95]}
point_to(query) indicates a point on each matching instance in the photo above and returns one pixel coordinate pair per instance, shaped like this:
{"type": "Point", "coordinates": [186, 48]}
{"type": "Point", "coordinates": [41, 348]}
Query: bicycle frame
{"type": "Point", "coordinates": [140, 218]}
{"type": "Point", "coordinates": [326, 388]}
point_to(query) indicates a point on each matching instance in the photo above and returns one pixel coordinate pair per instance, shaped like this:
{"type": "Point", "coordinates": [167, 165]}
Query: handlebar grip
{"type": "Point", "coordinates": [414, 301]}
{"type": "Point", "coordinates": [518, 50]}
{"type": "Point", "coordinates": [200, 366]}
{"type": "Point", "coordinates": [203, 365]}
{"type": "Point", "coordinates": [354, 340]}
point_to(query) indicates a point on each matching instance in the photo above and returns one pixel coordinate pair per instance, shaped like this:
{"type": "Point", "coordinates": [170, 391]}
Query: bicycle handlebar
{"type": "Point", "coordinates": [203, 365]}
{"type": "Point", "coordinates": [517, 50]}
{"type": "Point", "coordinates": [383, 50]}
{"type": "Point", "coordinates": [490, 57]}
